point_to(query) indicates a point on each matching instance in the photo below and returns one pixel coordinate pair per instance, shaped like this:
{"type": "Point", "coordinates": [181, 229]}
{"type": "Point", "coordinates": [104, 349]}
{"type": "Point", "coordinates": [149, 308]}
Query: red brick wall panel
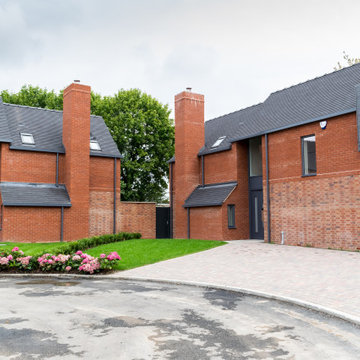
{"type": "Point", "coordinates": [137, 217]}
{"type": "Point", "coordinates": [189, 137]}
{"type": "Point", "coordinates": [27, 166]}
{"type": "Point", "coordinates": [321, 210]}
{"type": "Point", "coordinates": [101, 212]}
{"type": "Point", "coordinates": [102, 173]}
{"type": "Point", "coordinates": [221, 167]}
{"type": "Point", "coordinates": [31, 224]}
{"type": "Point", "coordinates": [76, 139]}
{"type": "Point", "coordinates": [102, 195]}
{"type": "Point", "coordinates": [336, 148]}
{"type": "Point", "coordinates": [206, 223]}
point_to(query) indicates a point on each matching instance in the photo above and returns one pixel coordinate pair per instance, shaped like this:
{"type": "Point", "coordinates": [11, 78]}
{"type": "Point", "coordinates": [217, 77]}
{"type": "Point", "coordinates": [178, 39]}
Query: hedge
{"type": "Point", "coordinates": [87, 243]}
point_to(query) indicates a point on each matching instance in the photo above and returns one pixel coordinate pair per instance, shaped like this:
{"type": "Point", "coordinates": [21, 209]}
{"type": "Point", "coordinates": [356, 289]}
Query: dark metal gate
{"type": "Point", "coordinates": [163, 222]}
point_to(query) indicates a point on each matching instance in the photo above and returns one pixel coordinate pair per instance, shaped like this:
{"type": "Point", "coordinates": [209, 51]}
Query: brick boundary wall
{"type": "Point", "coordinates": [137, 217]}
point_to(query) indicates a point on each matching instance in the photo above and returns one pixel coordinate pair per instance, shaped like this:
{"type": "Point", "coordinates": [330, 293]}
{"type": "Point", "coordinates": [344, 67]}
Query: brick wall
{"type": "Point", "coordinates": [101, 212]}
{"type": "Point", "coordinates": [31, 224]}
{"type": "Point", "coordinates": [206, 223]}
{"type": "Point", "coordinates": [322, 210]}
{"type": "Point", "coordinates": [221, 167]}
{"type": "Point", "coordinates": [137, 217]}
{"type": "Point", "coordinates": [239, 197]}
{"type": "Point", "coordinates": [102, 195]}
{"type": "Point", "coordinates": [76, 139]}
{"type": "Point", "coordinates": [189, 138]}
{"type": "Point", "coordinates": [27, 166]}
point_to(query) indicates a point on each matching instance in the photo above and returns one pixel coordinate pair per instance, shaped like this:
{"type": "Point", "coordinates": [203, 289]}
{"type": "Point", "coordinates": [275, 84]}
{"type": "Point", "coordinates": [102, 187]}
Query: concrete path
{"type": "Point", "coordinates": [327, 278]}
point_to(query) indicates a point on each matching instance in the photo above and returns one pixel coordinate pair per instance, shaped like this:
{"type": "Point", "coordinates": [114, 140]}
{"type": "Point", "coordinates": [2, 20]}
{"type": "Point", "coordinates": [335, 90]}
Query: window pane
{"type": "Point", "coordinates": [255, 157]}
{"type": "Point", "coordinates": [218, 141]}
{"type": "Point", "coordinates": [94, 145]}
{"type": "Point", "coordinates": [231, 215]}
{"type": "Point", "coordinates": [309, 155]}
{"type": "Point", "coordinates": [27, 139]}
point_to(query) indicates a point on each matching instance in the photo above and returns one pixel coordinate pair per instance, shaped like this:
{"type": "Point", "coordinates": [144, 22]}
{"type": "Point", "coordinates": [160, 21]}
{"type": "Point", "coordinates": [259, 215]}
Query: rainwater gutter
{"type": "Point", "coordinates": [114, 210]}
{"type": "Point", "coordinates": [171, 201]}
{"type": "Point", "coordinates": [57, 169]}
{"type": "Point", "coordinates": [267, 188]}
{"type": "Point", "coordinates": [202, 170]}
{"type": "Point", "coordinates": [62, 225]}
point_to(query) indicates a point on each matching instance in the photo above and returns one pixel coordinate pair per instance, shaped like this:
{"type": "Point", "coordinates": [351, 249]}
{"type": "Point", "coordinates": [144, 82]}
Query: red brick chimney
{"type": "Point", "coordinates": [76, 140]}
{"type": "Point", "coordinates": [189, 138]}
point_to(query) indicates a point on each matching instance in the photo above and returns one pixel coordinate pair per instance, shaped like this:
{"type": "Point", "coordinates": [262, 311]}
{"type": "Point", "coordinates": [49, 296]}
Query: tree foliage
{"type": "Point", "coordinates": [348, 61]}
{"type": "Point", "coordinates": [34, 96]}
{"type": "Point", "coordinates": [139, 124]}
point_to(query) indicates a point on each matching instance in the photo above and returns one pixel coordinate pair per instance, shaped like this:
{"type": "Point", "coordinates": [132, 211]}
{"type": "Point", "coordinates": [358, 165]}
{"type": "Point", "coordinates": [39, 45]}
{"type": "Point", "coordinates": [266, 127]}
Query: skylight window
{"type": "Point", "coordinates": [218, 141]}
{"type": "Point", "coordinates": [27, 139]}
{"type": "Point", "coordinates": [94, 145]}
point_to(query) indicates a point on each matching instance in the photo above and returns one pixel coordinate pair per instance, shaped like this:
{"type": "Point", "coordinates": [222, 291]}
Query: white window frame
{"type": "Point", "coordinates": [96, 145]}
{"type": "Point", "coordinates": [218, 141]}
{"type": "Point", "coordinates": [27, 139]}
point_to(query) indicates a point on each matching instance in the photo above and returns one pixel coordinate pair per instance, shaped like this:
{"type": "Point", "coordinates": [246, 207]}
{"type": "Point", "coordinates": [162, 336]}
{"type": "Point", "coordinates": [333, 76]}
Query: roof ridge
{"type": "Point", "coordinates": [233, 112]}
{"type": "Point", "coordinates": [40, 108]}
{"type": "Point", "coordinates": [313, 79]}
{"type": "Point", "coordinates": [32, 107]}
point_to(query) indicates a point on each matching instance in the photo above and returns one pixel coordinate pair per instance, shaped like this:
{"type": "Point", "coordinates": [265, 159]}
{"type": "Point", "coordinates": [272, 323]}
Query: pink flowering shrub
{"type": "Point", "coordinates": [107, 262]}
{"type": "Point", "coordinates": [15, 259]}
{"type": "Point", "coordinates": [78, 262]}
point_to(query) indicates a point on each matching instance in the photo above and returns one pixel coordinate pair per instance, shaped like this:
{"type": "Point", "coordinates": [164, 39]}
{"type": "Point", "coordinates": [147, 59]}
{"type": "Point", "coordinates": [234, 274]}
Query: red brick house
{"type": "Point", "coordinates": [60, 175]}
{"type": "Point", "coordinates": [285, 170]}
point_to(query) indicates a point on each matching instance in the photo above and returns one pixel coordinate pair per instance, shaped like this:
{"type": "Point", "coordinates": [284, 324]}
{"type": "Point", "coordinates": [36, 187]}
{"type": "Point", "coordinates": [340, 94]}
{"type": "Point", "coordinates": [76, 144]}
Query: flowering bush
{"type": "Point", "coordinates": [15, 259]}
{"type": "Point", "coordinates": [79, 261]}
{"type": "Point", "coordinates": [108, 261]}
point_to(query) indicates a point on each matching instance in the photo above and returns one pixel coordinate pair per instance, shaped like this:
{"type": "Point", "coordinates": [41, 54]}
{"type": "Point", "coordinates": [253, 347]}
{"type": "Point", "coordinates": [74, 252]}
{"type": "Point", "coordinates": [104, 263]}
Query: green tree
{"type": "Point", "coordinates": [144, 134]}
{"type": "Point", "coordinates": [348, 61]}
{"type": "Point", "coordinates": [139, 124]}
{"type": "Point", "coordinates": [34, 96]}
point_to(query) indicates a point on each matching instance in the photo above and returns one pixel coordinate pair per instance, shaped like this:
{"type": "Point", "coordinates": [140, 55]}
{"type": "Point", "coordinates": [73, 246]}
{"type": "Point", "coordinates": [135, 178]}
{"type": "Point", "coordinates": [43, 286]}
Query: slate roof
{"type": "Point", "coordinates": [28, 194]}
{"type": "Point", "coordinates": [323, 97]}
{"type": "Point", "coordinates": [46, 127]}
{"type": "Point", "coordinates": [210, 195]}
{"type": "Point", "coordinates": [4, 129]}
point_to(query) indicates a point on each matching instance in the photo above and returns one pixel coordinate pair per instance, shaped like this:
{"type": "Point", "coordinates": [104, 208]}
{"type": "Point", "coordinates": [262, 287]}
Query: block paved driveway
{"type": "Point", "coordinates": [328, 278]}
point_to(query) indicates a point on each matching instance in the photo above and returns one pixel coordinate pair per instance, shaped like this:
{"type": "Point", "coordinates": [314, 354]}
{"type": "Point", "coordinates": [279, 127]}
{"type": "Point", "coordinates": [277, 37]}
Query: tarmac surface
{"type": "Point", "coordinates": [51, 318]}
{"type": "Point", "coordinates": [328, 278]}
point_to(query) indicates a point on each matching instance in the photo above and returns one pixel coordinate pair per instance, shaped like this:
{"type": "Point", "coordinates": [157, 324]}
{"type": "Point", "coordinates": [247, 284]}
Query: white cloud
{"type": "Point", "coordinates": [235, 52]}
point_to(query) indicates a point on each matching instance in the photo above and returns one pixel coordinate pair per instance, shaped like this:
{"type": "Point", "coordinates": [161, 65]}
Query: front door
{"type": "Point", "coordinates": [256, 216]}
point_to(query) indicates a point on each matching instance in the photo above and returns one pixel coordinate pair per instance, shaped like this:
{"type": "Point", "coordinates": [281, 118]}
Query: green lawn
{"type": "Point", "coordinates": [32, 248]}
{"type": "Point", "coordinates": [134, 253]}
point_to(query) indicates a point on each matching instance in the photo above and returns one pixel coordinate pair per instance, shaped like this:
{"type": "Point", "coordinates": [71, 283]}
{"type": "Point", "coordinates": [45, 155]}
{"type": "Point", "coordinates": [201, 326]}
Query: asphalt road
{"type": "Point", "coordinates": [111, 319]}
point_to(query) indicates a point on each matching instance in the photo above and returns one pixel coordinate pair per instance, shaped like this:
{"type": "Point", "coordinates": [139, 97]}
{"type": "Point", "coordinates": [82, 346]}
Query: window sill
{"type": "Point", "coordinates": [309, 175]}
{"type": "Point", "coordinates": [231, 227]}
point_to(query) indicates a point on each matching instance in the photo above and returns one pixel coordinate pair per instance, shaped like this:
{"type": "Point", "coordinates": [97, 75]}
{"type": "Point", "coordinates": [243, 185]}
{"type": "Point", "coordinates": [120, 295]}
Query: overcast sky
{"type": "Point", "coordinates": [234, 52]}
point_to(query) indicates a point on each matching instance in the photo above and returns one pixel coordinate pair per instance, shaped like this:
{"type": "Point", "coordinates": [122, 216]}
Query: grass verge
{"type": "Point", "coordinates": [135, 253]}
{"type": "Point", "coordinates": [34, 248]}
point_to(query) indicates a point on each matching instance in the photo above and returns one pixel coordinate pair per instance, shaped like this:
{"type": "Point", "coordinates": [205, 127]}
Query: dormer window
{"type": "Point", "coordinates": [94, 145]}
{"type": "Point", "coordinates": [218, 141]}
{"type": "Point", "coordinates": [27, 139]}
